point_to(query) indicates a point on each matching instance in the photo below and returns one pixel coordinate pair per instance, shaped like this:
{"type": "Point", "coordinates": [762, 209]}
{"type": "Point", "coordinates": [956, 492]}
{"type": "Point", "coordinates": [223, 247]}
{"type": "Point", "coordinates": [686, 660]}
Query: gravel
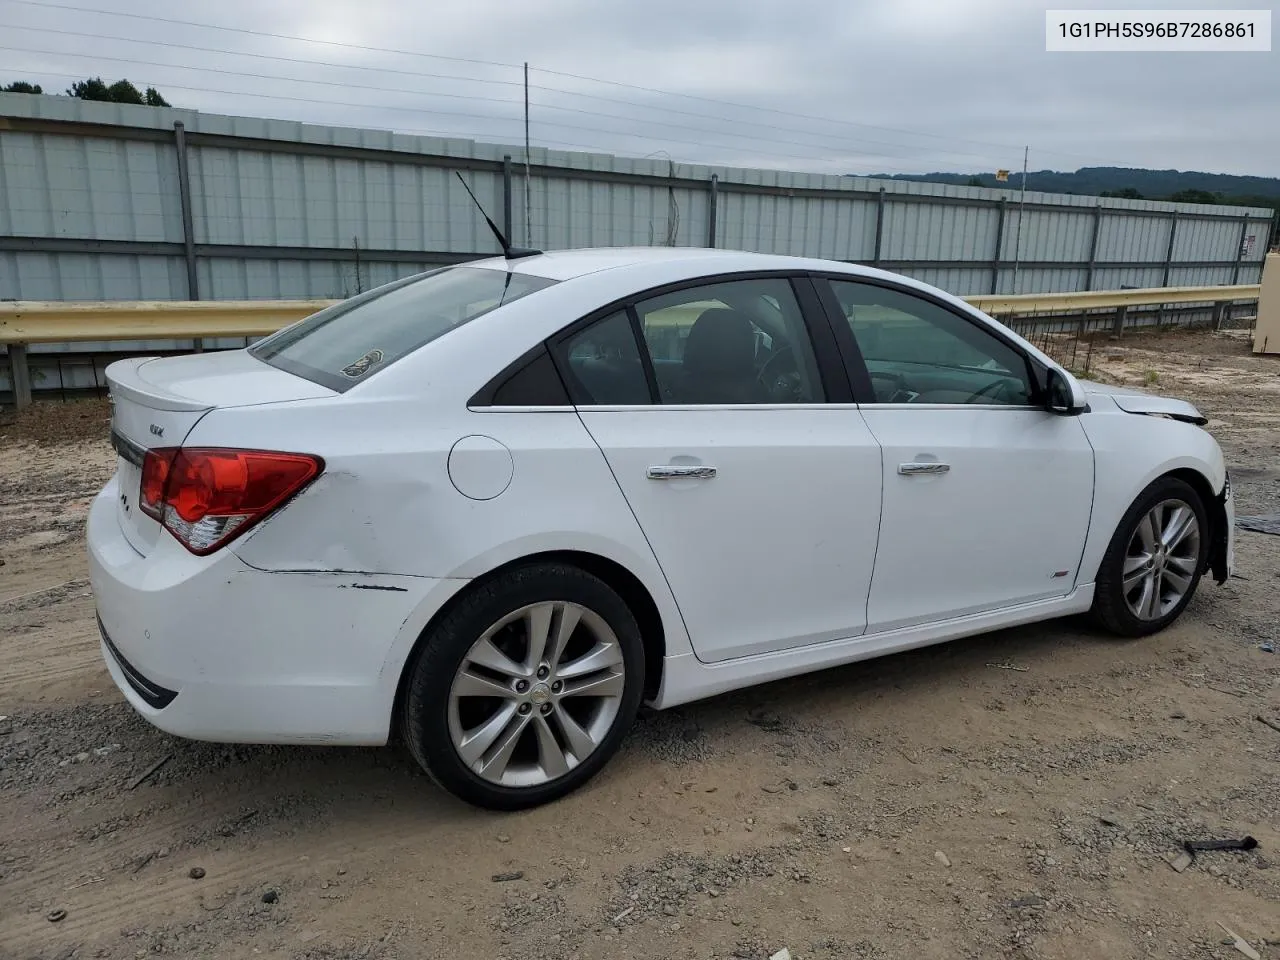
{"type": "Point", "coordinates": [679, 849]}
{"type": "Point", "coordinates": [50, 421]}
{"type": "Point", "coordinates": [671, 737]}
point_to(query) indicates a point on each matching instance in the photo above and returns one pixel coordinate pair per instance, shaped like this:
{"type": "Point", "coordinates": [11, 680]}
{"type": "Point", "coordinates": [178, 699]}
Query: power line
{"type": "Point", "coordinates": [253, 76]}
{"type": "Point", "coordinates": [150, 18]}
{"type": "Point", "coordinates": [455, 134]}
{"type": "Point", "coordinates": [275, 96]}
{"type": "Point", "coordinates": [435, 76]}
{"type": "Point", "coordinates": [822, 145]}
{"type": "Point", "coordinates": [414, 110]}
{"type": "Point", "coordinates": [690, 113]}
{"type": "Point", "coordinates": [558, 73]}
{"type": "Point", "coordinates": [702, 116]}
{"type": "Point", "coordinates": [808, 158]}
{"type": "Point", "coordinates": [264, 56]}
{"type": "Point", "coordinates": [548, 143]}
{"type": "Point", "coordinates": [803, 116]}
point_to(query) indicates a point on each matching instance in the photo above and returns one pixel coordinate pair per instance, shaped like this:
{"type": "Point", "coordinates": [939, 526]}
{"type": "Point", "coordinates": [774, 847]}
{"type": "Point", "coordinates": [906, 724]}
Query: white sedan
{"type": "Point", "coordinates": [492, 508]}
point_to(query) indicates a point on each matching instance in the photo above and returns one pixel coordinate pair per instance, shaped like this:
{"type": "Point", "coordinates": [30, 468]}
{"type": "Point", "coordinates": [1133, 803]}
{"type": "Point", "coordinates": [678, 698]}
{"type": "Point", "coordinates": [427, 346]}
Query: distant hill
{"type": "Point", "coordinates": [1185, 186]}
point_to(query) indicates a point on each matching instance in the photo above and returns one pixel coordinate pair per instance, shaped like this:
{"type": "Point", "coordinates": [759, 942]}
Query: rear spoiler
{"type": "Point", "coordinates": [124, 381]}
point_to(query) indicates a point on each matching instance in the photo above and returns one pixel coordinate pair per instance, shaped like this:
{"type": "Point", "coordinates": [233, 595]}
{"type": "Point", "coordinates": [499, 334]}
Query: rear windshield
{"type": "Point", "coordinates": [349, 341]}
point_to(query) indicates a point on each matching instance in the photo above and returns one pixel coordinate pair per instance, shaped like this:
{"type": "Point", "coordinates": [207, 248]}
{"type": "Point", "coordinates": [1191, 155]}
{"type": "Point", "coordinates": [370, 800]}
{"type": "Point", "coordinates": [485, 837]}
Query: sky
{"type": "Point", "coordinates": [829, 86]}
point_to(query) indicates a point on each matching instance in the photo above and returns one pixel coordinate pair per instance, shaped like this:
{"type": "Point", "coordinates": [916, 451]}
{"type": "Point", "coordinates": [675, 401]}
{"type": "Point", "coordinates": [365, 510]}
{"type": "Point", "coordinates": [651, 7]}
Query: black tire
{"type": "Point", "coordinates": [424, 720]}
{"type": "Point", "coordinates": [1110, 611]}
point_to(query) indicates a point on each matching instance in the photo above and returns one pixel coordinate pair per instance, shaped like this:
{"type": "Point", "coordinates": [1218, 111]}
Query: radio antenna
{"type": "Point", "coordinates": [508, 251]}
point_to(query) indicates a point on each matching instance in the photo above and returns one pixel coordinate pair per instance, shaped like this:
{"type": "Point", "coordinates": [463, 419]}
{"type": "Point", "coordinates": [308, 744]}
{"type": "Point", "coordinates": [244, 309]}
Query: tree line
{"type": "Point", "coordinates": [95, 88]}
{"type": "Point", "coordinates": [1180, 186]}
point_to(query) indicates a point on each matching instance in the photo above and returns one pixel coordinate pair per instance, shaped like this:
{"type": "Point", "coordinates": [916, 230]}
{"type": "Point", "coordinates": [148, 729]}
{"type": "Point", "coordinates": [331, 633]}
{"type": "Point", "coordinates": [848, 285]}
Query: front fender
{"type": "Point", "coordinates": [1129, 453]}
{"type": "Point", "coordinates": [1222, 546]}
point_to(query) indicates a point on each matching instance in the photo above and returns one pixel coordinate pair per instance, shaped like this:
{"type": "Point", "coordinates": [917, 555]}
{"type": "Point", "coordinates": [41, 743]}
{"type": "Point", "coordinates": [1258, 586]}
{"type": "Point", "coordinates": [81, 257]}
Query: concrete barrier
{"type": "Point", "coordinates": [1266, 332]}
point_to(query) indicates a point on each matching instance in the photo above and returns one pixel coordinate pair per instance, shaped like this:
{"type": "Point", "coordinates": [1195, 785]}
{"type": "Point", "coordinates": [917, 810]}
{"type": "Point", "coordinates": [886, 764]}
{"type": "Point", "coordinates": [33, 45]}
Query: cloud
{"type": "Point", "coordinates": [855, 86]}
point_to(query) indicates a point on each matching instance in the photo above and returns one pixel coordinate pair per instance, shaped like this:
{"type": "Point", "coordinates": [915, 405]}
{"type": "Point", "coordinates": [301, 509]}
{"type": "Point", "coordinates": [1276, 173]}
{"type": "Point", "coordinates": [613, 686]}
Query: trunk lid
{"type": "Point", "coordinates": [156, 401]}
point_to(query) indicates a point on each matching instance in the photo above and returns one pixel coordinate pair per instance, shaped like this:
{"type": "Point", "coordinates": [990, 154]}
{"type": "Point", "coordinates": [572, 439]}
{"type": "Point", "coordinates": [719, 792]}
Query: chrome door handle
{"type": "Point", "coordinates": [922, 469]}
{"type": "Point", "coordinates": [672, 471]}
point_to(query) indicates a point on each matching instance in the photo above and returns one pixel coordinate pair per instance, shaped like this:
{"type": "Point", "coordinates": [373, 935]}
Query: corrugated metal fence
{"type": "Point", "coordinates": [92, 201]}
{"type": "Point", "coordinates": [109, 201]}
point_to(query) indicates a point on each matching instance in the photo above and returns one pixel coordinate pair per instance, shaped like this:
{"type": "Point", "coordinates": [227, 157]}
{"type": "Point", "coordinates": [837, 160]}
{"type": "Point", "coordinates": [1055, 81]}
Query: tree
{"type": "Point", "coordinates": [91, 89]}
{"type": "Point", "coordinates": [21, 86]}
{"type": "Point", "coordinates": [1125, 193]}
{"type": "Point", "coordinates": [974, 182]}
{"type": "Point", "coordinates": [122, 91]}
{"type": "Point", "coordinates": [1195, 196]}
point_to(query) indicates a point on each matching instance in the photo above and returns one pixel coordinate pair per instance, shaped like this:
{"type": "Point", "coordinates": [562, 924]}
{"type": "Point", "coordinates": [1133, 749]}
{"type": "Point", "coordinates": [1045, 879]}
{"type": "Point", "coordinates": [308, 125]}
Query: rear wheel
{"type": "Point", "coordinates": [1154, 562]}
{"type": "Point", "coordinates": [524, 690]}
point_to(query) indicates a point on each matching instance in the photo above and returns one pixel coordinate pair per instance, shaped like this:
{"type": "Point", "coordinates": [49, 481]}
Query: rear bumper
{"type": "Point", "coordinates": [152, 694]}
{"type": "Point", "coordinates": [213, 649]}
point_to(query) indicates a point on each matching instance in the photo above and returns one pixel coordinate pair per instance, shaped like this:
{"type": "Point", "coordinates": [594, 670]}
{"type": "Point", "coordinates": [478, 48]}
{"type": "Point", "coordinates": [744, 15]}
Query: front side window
{"type": "Point", "coordinates": [344, 344]}
{"type": "Point", "coordinates": [919, 352]}
{"type": "Point", "coordinates": [735, 342]}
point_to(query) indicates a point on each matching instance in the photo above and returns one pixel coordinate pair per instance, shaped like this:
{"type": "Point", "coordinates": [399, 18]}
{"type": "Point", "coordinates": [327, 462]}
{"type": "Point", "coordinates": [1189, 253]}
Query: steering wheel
{"type": "Point", "coordinates": [991, 389]}
{"type": "Point", "coordinates": [788, 382]}
{"type": "Point", "coordinates": [898, 380]}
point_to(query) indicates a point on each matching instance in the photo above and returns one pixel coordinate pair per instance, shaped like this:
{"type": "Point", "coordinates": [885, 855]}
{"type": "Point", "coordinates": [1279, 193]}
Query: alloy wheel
{"type": "Point", "coordinates": [536, 694]}
{"type": "Point", "coordinates": [1161, 559]}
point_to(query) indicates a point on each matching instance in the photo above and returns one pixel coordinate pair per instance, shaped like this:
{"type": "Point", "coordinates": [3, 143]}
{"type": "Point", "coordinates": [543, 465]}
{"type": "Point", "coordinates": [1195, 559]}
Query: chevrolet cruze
{"type": "Point", "coordinates": [493, 508]}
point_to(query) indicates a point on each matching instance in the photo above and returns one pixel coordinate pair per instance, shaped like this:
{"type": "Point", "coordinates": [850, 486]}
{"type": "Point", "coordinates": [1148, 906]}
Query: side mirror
{"type": "Point", "coordinates": [1063, 395]}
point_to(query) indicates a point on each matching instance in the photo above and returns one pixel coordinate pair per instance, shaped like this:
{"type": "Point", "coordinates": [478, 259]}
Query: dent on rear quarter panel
{"type": "Point", "coordinates": [343, 521]}
{"type": "Point", "coordinates": [385, 503]}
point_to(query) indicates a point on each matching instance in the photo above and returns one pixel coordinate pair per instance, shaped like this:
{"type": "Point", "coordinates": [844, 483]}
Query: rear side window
{"type": "Point", "coordinates": [602, 362]}
{"type": "Point", "coordinates": [348, 342]}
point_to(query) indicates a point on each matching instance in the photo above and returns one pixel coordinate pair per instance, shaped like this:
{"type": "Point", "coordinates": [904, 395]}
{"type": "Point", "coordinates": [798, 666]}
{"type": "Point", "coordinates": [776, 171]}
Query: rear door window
{"type": "Point", "coordinates": [732, 342]}
{"type": "Point", "coordinates": [344, 344]}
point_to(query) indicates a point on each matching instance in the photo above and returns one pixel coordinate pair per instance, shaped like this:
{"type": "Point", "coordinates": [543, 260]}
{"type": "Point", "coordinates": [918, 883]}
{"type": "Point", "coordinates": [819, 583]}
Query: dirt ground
{"type": "Point", "coordinates": [1015, 794]}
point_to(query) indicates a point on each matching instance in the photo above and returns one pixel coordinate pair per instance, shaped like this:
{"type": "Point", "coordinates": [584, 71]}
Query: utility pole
{"type": "Point", "coordinates": [528, 203]}
{"type": "Point", "coordinates": [1022, 205]}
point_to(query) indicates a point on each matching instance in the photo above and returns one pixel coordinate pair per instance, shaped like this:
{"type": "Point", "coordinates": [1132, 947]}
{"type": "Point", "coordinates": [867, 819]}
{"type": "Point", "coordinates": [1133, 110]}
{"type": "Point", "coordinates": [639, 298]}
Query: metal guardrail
{"type": "Point", "coordinates": [27, 322]}
{"type": "Point", "coordinates": [1030, 303]}
{"type": "Point", "coordinates": [70, 321]}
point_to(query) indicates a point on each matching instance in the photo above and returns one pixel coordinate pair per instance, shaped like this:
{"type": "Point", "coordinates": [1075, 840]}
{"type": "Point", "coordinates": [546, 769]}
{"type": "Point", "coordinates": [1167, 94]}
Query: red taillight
{"type": "Point", "coordinates": [207, 497]}
{"type": "Point", "coordinates": [155, 473]}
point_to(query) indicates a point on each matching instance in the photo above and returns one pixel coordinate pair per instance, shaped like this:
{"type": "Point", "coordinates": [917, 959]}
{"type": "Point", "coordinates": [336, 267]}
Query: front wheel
{"type": "Point", "coordinates": [1154, 562]}
{"type": "Point", "coordinates": [524, 690]}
